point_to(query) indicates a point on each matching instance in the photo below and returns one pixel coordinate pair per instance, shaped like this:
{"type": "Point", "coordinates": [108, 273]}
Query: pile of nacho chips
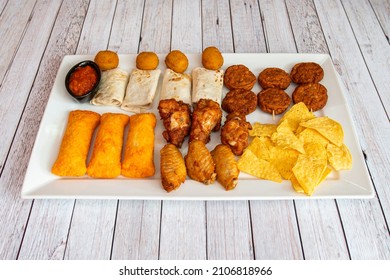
{"type": "Point", "coordinates": [301, 148]}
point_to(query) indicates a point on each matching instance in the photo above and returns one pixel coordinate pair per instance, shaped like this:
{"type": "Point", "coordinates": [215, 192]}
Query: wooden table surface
{"type": "Point", "coordinates": [37, 34]}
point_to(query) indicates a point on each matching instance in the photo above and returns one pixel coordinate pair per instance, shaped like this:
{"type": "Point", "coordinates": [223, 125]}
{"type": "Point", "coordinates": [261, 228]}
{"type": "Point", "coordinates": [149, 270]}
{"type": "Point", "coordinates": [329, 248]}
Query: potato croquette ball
{"type": "Point", "coordinates": [177, 61]}
{"type": "Point", "coordinates": [107, 60]}
{"type": "Point", "coordinates": [212, 58]}
{"type": "Point", "coordinates": [147, 61]}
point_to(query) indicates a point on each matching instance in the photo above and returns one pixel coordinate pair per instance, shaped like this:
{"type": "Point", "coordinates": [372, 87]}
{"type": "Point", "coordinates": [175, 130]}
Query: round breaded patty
{"type": "Point", "coordinates": [239, 76]}
{"type": "Point", "coordinates": [240, 100]}
{"type": "Point", "coordinates": [273, 100]}
{"type": "Point", "coordinates": [314, 95]}
{"type": "Point", "coordinates": [307, 72]}
{"type": "Point", "coordinates": [274, 78]}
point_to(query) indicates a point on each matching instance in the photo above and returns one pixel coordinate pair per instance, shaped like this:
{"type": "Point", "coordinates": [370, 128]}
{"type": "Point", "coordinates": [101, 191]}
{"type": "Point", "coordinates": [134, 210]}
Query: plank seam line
{"type": "Point", "coordinates": [82, 27]}
{"type": "Point", "coordinates": [170, 35]}
{"type": "Point", "coordinates": [112, 21]}
{"type": "Point", "coordinates": [252, 235]}
{"type": "Point", "coordinates": [5, 5]}
{"type": "Point", "coordinates": [205, 212]}
{"type": "Point", "coordinates": [18, 45]}
{"type": "Point", "coordinates": [114, 229]}
{"type": "Point", "coordinates": [364, 59]}
{"type": "Point", "coordinates": [299, 230]}
{"type": "Point", "coordinates": [380, 24]}
{"type": "Point", "coordinates": [263, 26]}
{"type": "Point", "coordinates": [141, 29]}
{"type": "Point", "coordinates": [342, 227]}
{"type": "Point", "coordinates": [29, 92]}
{"type": "Point", "coordinates": [70, 225]}
{"type": "Point", "coordinates": [231, 26]}
{"type": "Point", "coordinates": [291, 26]}
{"type": "Point", "coordinates": [25, 229]}
{"type": "Point", "coordinates": [159, 231]}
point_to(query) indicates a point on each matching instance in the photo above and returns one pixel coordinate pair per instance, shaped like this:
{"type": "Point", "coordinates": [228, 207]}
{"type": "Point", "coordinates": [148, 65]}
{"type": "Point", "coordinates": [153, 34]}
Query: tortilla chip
{"type": "Point", "coordinates": [285, 138]}
{"type": "Point", "coordinates": [284, 160]}
{"type": "Point", "coordinates": [259, 129]}
{"type": "Point", "coordinates": [309, 135]}
{"type": "Point", "coordinates": [328, 128]}
{"type": "Point", "coordinates": [297, 114]}
{"type": "Point", "coordinates": [339, 157]}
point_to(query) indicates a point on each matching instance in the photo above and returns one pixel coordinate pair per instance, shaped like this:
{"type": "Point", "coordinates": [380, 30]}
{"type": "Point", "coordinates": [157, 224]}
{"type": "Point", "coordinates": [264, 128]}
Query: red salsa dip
{"type": "Point", "coordinates": [82, 80]}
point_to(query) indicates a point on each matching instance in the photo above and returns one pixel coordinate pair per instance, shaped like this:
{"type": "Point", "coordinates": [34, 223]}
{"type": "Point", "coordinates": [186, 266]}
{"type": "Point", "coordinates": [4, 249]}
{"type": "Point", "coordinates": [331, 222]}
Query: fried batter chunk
{"type": "Point", "coordinates": [199, 162]}
{"type": "Point", "coordinates": [176, 116]}
{"type": "Point", "coordinates": [240, 100]}
{"type": "Point", "coordinates": [239, 76]}
{"type": "Point", "coordinates": [206, 117]}
{"type": "Point", "coordinates": [273, 100]}
{"type": "Point", "coordinates": [274, 78]}
{"type": "Point", "coordinates": [235, 132]}
{"type": "Point", "coordinates": [307, 72]}
{"type": "Point", "coordinates": [314, 95]}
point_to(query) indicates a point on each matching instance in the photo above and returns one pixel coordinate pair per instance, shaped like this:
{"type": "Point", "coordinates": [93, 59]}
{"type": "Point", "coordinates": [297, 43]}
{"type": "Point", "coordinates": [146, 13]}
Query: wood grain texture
{"type": "Point", "coordinates": [229, 233]}
{"type": "Point", "coordinates": [248, 34]}
{"type": "Point", "coordinates": [382, 11]}
{"type": "Point", "coordinates": [47, 231]}
{"type": "Point", "coordinates": [183, 231]}
{"type": "Point", "coordinates": [14, 95]}
{"type": "Point", "coordinates": [55, 216]}
{"type": "Point", "coordinates": [137, 232]}
{"type": "Point", "coordinates": [14, 21]}
{"type": "Point", "coordinates": [25, 64]}
{"type": "Point", "coordinates": [275, 230]}
{"type": "Point", "coordinates": [363, 221]}
{"type": "Point", "coordinates": [126, 27]}
{"type": "Point", "coordinates": [91, 230]}
{"type": "Point", "coordinates": [326, 239]}
{"type": "Point", "coordinates": [216, 25]}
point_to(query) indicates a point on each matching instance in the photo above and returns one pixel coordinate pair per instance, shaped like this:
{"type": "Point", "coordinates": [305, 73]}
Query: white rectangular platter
{"type": "Point", "coordinates": [41, 183]}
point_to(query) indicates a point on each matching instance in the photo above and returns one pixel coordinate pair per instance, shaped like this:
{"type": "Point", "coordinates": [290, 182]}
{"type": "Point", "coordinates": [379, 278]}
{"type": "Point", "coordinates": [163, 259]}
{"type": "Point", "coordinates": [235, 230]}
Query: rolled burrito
{"type": "Point", "coordinates": [107, 151]}
{"type": "Point", "coordinates": [141, 90]}
{"type": "Point", "coordinates": [138, 161]}
{"type": "Point", "coordinates": [177, 86]}
{"type": "Point", "coordinates": [112, 88]}
{"type": "Point", "coordinates": [207, 84]}
{"type": "Point", "coordinates": [72, 157]}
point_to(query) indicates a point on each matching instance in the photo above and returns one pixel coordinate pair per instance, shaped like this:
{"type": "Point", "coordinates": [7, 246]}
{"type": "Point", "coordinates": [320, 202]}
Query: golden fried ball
{"type": "Point", "coordinates": [212, 58]}
{"type": "Point", "coordinates": [177, 61]}
{"type": "Point", "coordinates": [107, 60]}
{"type": "Point", "coordinates": [147, 61]}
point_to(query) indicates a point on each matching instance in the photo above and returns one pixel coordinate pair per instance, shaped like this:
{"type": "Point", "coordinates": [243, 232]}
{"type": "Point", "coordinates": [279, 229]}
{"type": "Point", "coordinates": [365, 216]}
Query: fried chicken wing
{"type": "Point", "coordinates": [172, 167]}
{"type": "Point", "coordinates": [225, 166]}
{"type": "Point", "coordinates": [176, 117]}
{"type": "Point", "coordinates": [199, 162]}
{"type": "Point", "coordinates": [206, 117]}
{"type": "Point", "coordinates": [235, 132]}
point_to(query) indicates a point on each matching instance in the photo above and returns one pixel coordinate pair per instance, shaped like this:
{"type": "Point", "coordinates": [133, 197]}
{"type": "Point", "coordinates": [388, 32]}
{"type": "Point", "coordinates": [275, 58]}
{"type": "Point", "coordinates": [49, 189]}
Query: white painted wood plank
{"type": "Point", "coordinates": [376, 52]}
{"type": "Point", "coordinates": [319, 223]}
{"type": "Point", "coordinates": [373, 44]}
{"type": "Point", "coordinates": [92, 226]}
{"type": "Point", "coordinates": [156, 26]}
{"type": "Point", "coordinates": [91, 230]}
{"type": "Point", "coordinates": [48, 224]}
{"type": "Point", "coordinates": [363, 221]}
{"type": "Point", "coordinates": [137, 230]}
{"type": "Point", "coordinates": [216, 25]}
{"type": "Point", "coordinates": [183, 223]}
{"type": "Point", "coordinates": [25, 64]}
{"type": "Point", "coordinates": [382, 11]}
{"type": "Point", "coordinates": [47, 231]}
{"type": "Point", "coordinates": [229, 233]}
{"type": "Point", "coordinates": [183, 230]}
{"type": "Point", "coordinates": [126, 27]}
{"type": "Point", "coordinates": [275, 230]}
{"type": "Point", "coordinates": [247, 26]}
{"type": "Point", "coordinates": [14, 94]}
{"type": "Point", "coordinates": [13, 21]}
